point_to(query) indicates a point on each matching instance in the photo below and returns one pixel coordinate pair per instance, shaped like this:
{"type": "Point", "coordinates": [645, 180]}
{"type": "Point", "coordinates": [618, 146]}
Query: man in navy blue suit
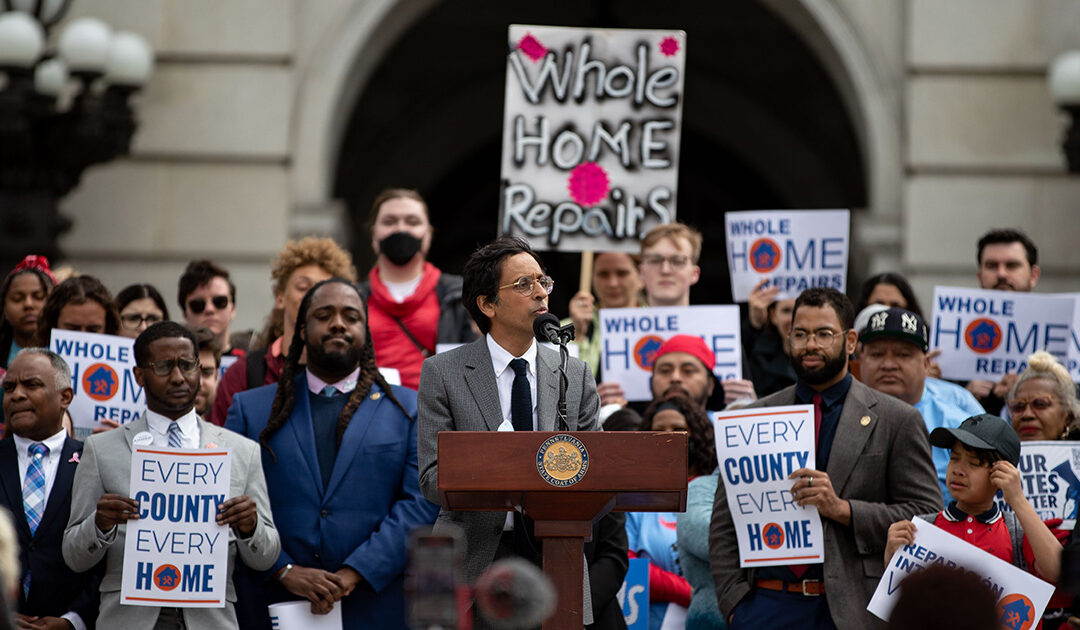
{"type": "Point", "coordinates": [37, 466]}
{"type": "Point", "coordinates": [339, 453]}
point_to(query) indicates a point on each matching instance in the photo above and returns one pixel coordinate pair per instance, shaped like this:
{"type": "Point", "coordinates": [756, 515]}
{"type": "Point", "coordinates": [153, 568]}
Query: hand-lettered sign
{"type": "Point", "coordinates": [590, 135]}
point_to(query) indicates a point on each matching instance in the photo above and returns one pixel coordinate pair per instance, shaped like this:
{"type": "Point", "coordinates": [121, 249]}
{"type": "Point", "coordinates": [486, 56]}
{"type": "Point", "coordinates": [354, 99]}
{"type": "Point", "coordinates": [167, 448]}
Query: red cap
{"type": "Point", "coordinates": [690, 345]}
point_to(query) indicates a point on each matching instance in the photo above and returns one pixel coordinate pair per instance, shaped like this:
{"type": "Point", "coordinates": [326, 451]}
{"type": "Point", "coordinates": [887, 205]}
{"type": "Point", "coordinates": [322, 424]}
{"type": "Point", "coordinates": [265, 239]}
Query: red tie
{"type": "Point", "coordinates": [800, 569]}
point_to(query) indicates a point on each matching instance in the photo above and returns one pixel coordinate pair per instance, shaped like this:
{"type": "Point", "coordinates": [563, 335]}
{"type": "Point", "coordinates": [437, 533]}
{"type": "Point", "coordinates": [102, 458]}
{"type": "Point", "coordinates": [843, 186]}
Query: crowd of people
{"type": "Point", "coordinates": [333, 409]}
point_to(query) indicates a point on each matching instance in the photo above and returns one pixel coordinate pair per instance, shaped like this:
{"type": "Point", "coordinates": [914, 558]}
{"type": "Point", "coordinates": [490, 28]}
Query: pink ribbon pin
{"type": "Point", "coordinates": [74, 458]}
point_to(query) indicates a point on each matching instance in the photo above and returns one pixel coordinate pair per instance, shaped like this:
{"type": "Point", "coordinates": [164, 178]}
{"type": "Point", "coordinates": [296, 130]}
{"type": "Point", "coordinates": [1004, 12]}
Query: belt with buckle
{"type": "Point", "coordinates": [809, 588]}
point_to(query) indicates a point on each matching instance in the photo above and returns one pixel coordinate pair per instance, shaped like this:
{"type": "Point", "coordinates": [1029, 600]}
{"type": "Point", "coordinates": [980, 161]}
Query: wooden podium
{"type": "Point", "coordinates": [492, 471]}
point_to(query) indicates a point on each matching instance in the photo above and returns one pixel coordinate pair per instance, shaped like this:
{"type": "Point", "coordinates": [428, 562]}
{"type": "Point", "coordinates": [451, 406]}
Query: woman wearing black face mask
{"type": "Point", "coordinates": [412, 305]}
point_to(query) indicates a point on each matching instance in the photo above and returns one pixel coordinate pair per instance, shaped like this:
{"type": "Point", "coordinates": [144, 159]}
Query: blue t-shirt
{"type": "Point", "coordinates": [946, 405]}
{"type": "Point", "coordinates": [653, 536]}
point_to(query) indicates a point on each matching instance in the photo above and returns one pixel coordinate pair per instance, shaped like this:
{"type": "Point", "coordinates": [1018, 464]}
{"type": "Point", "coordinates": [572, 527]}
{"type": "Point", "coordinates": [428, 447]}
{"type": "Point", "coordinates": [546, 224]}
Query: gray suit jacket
{"type": "Point", "coordinates": [106, 468]}
{"type": "Point", "coordinates": [884, 469]}
{"type": "Point", "coordinates": [458, 393]}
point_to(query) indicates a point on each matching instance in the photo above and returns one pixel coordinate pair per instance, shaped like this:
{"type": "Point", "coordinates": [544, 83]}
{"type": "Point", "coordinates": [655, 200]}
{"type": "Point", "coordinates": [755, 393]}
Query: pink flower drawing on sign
{"type": "Point", "coordinates": [588, 184]}
{"type": "Point", "coordinates": [532, 47]}
{"type": "Point", "coordinates": [669, 46]}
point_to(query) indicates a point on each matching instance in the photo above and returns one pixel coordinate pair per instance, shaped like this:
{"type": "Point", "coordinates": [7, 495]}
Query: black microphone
{"type": "Point", "coordinates": [512, 593]}
{"type": "Point", "coordinates": [546, 328]}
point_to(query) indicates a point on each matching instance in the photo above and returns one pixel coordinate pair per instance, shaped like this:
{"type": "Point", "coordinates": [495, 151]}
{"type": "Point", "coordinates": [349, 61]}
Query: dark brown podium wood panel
{"type": "Point", "coordinates": [627, 471]}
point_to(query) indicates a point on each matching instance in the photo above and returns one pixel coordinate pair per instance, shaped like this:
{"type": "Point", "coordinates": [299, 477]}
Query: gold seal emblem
{"type": "Point", "coordinates": [562, 460]}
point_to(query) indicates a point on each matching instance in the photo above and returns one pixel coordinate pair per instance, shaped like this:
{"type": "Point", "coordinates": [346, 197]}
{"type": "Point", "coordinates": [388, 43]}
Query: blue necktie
{"type": "Point", "coordinates": [521, 397]}
{"type": "Point", "coordinates": [175, 439]}
{"type": "Point", "coordinates": [328, 392]}
{"type": "Point", "coordinates": [34, 486]}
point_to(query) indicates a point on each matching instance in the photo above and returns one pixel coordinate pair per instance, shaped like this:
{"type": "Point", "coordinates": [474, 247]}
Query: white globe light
{"type": "Point", "coordinates": [130, 60]}
{"type": "Point", "coordinates": [84, 44]}
{"type": "Point", "coordinates": [50, 77]}
{"type": "Point", "coordinates": [1065, 78]}
{"type": "Point", "coordinates": [49, 12]}
{"type": "Point", "coordinates": [22, 40]}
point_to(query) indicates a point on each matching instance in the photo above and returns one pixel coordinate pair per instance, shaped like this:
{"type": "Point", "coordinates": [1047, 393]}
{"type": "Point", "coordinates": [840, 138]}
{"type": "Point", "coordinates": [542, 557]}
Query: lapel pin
{"type": "Point", "coordinates": [376, 396]}
{"type": "Point", "coordinates": [74, 458]}
{"type": "Point", "coordinates": [865, 421]}
{"type": "Point", "coordinates": [211, 445]}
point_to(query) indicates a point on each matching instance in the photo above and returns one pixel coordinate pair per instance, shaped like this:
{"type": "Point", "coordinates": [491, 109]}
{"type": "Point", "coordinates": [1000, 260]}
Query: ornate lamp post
{"type": "Point", "coordinates": [60, 112]}
{"type": "Point", "coordinates": [1065, 89]}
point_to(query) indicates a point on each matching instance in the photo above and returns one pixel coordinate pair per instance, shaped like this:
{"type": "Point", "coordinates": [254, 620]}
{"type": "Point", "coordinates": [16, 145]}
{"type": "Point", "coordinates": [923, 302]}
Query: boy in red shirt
{"type": "Point", "coordinates": [985, 452]}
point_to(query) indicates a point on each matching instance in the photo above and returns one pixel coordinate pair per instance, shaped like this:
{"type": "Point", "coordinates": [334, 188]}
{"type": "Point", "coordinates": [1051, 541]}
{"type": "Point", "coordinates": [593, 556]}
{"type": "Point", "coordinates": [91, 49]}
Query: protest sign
{"type": "Point", "coordinates": [757, 450]}
{"type": "Point", "coordinates": [985, 334]}
{"type": "Point", "coordinates": [633, 595]}
{"type": "Point", "coordinates": [1021, 597]}
{"type": "Point", "coordinates": [792, 249]}
{"type": "Point", "coordinates": [298, 616]}
{"type": "Point", "coordinates": [105, 386]}
{"type": "Point", "coordinates": [175, 553]}
{"type": "Point", "coordinates": [1050, 477]}
{"type": "Point", "coordinates": [631, 337]}
{"type": "Point", "coordinates": [590, 135]}
{"type": "Point", "coordinates": [227, 361]}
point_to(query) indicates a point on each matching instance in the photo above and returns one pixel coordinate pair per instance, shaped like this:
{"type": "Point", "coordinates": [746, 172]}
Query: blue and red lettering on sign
{"type": "Point", "coordinates": [1016, 612]}
{"type": "Point", "coordinates": [983, 335]}
{"type": "Point", "coordinates": [764, 255]}
{"type": "Point", "coordinates": [167, 577]}
{"type": "Point", "coordinates": [100, 382]}
{"type": "Point", "coordinates": [645, 351]}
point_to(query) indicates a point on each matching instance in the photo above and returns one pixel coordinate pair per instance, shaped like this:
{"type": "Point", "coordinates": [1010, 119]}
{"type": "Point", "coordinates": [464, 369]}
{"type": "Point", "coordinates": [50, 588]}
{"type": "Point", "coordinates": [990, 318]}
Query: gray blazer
{"type": "Point", "coordinates": [458, 393]}
{"type": "Point", "coordinates": [883, 468]}
{"type": "Point", "coordinates": [106, 468]}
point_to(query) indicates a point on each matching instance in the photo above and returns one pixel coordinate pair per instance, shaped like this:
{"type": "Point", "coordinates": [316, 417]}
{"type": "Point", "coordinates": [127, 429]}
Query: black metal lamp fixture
{"type": "Point", "coordinates": [61, 111]}
{"type": "Point", "coordinates": [1065, 89]}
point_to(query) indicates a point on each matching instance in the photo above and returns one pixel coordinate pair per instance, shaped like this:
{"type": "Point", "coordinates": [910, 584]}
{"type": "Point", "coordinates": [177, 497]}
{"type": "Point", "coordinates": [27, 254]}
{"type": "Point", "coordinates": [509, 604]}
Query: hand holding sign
{"type": "Point", "coordinates": [813, 487]}
{"type": "Point", "coordinates": [240, 514]}
{"type": "Point", "coordinates": [760, 299]}
{"type": "Point", "coordinates": [113, 510]}
{"type": "Point", "coordinates": [901, 534]}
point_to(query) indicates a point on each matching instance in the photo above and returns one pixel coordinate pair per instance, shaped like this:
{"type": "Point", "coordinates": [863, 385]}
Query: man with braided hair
{"type": "Point", "coordinates": [326, 430]}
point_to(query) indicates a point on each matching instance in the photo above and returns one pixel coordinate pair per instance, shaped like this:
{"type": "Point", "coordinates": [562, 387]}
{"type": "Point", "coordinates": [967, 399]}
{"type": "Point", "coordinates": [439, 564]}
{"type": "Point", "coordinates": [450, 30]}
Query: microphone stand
{"type": "Point", "coordinates": [566, 334]}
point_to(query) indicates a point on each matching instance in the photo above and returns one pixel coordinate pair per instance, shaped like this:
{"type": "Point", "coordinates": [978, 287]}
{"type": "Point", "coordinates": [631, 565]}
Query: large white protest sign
{"type": "Point", "coordinates": [175, 553]}
{"type": "Point", "coordinates": [986, 334]}
{"type": "Point", "coordinates": [590, 135]}
{"type": "Point", "coordinates": [793, 249]}
{"type": "Point", "coordinates": [1021, 597]}
{"type": "Point", "coordinates": [631, 337]}
{"type": "Point", "coordinates": [105, 387]}
{"type": "Point", "coordinates": [1050, 477]}
{"type": "Point", "coordinates": [757, 450]}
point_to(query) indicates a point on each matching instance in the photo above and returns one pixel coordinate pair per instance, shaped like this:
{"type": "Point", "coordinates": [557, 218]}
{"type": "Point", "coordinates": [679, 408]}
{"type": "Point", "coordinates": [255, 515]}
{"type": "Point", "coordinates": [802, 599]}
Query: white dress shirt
{"type": "Point", "coordinates": [189, 428]}
{"type": "Point", "coordinates": [49, 463]}
{"type": "Point", "coordinates": [504, 376]}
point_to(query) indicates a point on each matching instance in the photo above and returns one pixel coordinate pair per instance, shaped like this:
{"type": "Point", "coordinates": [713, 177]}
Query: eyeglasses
{"type": "Point", "coordinates": [132, 321]}
{"type": "Point", "coordinates": [824, 336]}
{"type": "Point", "coordinates": [527, 286]}
{"type": "Point", "coordinates": [198, 305]}
{"type": "Point", "coordinates": [677, 261]}
{"type": "Point", "coordinates": [165, 368]}
{"type": "Point", "coordinates": [1039, 403]}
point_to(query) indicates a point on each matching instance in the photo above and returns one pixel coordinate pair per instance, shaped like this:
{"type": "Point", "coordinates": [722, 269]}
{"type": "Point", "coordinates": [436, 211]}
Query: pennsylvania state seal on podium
{"type": "Point", "coordinates": [562, 460]}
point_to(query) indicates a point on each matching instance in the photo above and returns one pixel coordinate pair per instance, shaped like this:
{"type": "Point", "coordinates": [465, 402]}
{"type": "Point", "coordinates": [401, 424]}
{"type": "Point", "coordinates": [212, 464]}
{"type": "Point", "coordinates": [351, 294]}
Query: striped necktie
{"type": "Point", "coordinates": [175, 438]}
{"type": "Point", "coordinates": [34, 486]}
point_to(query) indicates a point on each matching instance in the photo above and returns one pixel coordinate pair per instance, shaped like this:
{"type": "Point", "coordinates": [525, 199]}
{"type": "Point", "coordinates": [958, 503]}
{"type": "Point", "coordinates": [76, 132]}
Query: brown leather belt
{"type": "Point", "coordinates": [809, 588]}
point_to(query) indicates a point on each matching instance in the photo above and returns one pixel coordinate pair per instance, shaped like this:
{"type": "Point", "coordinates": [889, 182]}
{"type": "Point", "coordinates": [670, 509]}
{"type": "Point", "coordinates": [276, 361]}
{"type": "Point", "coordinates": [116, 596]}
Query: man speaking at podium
{"type": "Point", "coordinates": [506, 381]}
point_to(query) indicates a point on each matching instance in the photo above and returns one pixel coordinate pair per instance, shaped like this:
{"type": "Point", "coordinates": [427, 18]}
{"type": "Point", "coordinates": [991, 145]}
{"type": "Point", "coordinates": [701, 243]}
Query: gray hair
{"type": "Point", "coordinates": [61, 371]}
{"type": "Point", "coordinates": [1044, 365]}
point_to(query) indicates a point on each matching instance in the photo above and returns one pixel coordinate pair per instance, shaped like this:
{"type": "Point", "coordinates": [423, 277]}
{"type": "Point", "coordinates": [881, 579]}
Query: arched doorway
{"type": "Point", "coordinates": [764, 124]}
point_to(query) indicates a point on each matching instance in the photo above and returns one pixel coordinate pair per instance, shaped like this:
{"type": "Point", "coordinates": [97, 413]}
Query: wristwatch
{"type": "Point", "coordinates": [284, 572]}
